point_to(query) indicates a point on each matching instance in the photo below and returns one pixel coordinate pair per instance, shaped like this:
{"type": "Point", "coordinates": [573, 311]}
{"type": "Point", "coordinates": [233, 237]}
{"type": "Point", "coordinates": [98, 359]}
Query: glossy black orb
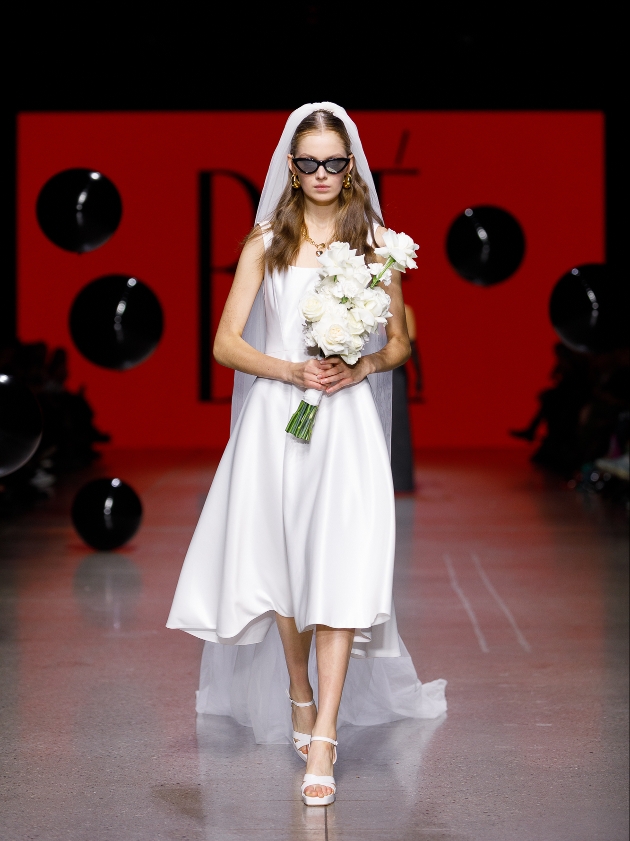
{"type": "Point", "coordinates": [106, 513]}
{"type": "Point", "coordinates": [106, 588]}
{"type": "Point", "coordinates": [20, 424]}
{"type": "Point", "coordinates": [588, 307]}
{"type": "Point", "coordinates": [116, 321]}
{"type": "Point", "coordinates": [485, 245]}
{"type": "Point", "coordinates": [79, 209]}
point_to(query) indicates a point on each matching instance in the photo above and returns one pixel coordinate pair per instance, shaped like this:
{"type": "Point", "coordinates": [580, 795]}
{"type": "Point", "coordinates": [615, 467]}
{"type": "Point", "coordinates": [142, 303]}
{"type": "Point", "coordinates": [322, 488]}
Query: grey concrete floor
{"type": "Point", "coordinates": [508, 585]}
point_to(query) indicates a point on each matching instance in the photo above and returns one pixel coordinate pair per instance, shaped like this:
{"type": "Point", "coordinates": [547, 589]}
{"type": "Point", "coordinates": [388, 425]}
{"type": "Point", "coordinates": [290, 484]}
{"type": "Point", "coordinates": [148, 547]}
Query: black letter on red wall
{"type": "Point", "coordinates": [207, 270]}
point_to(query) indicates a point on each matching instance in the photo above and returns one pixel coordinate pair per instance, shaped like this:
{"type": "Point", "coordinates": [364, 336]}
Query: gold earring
{"type": "Point", "coordinates": [295, 182]}
{"type": "Point", "coordinates": [347, 182]}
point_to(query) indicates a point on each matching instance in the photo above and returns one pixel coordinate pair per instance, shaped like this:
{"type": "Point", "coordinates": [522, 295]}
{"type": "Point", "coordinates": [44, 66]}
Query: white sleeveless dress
{"type": "Point", "coordinates": [303, 529]}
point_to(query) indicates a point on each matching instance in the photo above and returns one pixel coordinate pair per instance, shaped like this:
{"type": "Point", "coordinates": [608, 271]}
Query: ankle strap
{"type": "Point", "coordinates": [297, 703]}
{"type": "Point", "coordinates": [324, 739]}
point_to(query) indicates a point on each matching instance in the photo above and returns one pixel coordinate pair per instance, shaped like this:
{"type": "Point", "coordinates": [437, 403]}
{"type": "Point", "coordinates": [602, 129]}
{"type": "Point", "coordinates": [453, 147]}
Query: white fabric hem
{"type": "Point", "coordinates": [380, 639]}
{"type": "Point", "coordinates": [248, 683]}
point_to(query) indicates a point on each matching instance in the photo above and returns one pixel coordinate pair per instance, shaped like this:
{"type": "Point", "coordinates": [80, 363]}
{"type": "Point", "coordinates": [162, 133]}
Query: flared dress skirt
{"type": "Point", "coordinates": [302, 529]}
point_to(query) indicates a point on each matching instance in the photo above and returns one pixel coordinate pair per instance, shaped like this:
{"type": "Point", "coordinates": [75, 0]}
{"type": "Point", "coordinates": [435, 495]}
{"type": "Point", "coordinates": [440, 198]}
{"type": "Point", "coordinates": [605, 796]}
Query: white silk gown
{"type": "Point", "coordinates": [305, 530]}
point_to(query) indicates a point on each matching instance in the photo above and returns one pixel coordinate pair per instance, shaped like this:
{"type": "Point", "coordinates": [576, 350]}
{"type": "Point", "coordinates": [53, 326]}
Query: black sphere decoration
{"type": "Point", "coordinates": [20, 424]}
{"type": "Point", "coordinates": [106, 513]}
{"type": "Point", "coordinates": [588, 308]}
{"type": "Point", "coordinates": [116, 321]}
{"type": "Point", "coordinates": [485, 245]}
{"type": "Point", "coordinates": [79, 209]}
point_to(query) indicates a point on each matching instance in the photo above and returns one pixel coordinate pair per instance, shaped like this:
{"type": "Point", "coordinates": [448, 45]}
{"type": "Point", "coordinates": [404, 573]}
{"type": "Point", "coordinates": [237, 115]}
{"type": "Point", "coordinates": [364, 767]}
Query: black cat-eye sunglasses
{"type": "Point", "coordinates": [309, 166]}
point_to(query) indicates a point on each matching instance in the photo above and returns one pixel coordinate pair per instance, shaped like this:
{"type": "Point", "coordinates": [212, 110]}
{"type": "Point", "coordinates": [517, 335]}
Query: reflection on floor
{"type": "Point", "coordinates": [510, 586]}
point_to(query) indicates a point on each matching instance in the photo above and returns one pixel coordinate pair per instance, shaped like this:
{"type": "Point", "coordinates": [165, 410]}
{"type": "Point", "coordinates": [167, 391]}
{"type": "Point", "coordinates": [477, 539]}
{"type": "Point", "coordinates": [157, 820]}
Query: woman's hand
{"type": "Point", "coordinates": [307, 374]}
{"type": "Point", "coordinates": [337, 374]}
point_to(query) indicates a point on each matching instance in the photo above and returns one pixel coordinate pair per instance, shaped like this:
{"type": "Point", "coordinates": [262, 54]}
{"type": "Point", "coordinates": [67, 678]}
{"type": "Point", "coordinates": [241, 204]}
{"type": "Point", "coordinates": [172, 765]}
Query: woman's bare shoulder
{"type": "Point", "coordinates": [254, 247]}
{"type": "Point", "coordinates": [378, 235]}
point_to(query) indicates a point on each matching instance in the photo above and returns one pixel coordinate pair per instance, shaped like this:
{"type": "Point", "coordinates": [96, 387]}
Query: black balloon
{"type": "Point", "coordinates": [485, 245]}
{"type": "Point", "coordinates": [116, 321]}
{"type": "Point", "coordinates": [106, 513]}
{"type": "Point", "coordinates": [79, 209]}
{"type": "Point", "coordinates": [20, 424]}
{"type": "Point", "coordinates": [588, 308]}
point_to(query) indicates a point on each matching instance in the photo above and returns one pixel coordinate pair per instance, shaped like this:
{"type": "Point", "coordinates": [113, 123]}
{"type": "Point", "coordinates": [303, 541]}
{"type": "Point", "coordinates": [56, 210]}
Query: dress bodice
{"type": "Point", "coordinates": [283, 292]}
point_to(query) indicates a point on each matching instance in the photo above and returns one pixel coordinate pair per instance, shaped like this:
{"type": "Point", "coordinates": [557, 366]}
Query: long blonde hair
{"type": "Point", "coordinates": [355, 218]}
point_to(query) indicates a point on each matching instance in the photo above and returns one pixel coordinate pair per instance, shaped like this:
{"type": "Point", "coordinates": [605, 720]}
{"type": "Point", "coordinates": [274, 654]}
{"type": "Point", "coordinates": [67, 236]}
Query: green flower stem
{"type": "Point", "coordinates": [377, 279]}
{"type": "Point", "coordinates": [302, 421]}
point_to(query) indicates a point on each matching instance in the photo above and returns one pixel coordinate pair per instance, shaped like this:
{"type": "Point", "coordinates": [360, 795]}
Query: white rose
{"type": "Point", "coordinates": [312, 308]}
{"type": "Point", "coordinates": [376, 300]}
{"type": "Point", "coordinates": [356, 262]}
{"type": "Point", "coordinates": [335, 258]}
{"type": "Point", "coordinates": [340, 252]}
{"type": "Point", "coordinates": [333, 338]}
{"type": "Point", "coordinates": [331, 331]}
{"type": "Point", "coordinates": [400, 248]}
{"type": "Point", "coordinates": [355, 323]}
{"type": "Point", "coordinates": [366, 317]}
{"type": "Point", "coordinates": [336, 335]}
{"type": "Point", "coordinates": [362, 274]}
{"type": "Point", "coordinates": [350, 358]}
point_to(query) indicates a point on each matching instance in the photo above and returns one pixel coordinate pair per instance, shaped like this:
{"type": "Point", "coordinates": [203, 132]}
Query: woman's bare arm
{"type": "Point", "coordinates": [231, 350]}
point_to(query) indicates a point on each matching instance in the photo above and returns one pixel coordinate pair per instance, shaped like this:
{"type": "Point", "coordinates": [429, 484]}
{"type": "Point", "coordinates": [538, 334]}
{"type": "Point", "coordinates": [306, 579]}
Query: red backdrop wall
{"type": "Point", "coordinates": [486, 351]}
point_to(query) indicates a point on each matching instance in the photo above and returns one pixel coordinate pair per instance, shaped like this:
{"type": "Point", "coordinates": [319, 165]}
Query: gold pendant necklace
{"type": "Point", "coordinates": [320, 247]}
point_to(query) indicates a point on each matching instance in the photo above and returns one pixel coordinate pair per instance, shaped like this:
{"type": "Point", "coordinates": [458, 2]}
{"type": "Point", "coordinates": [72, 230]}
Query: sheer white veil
{"type": "Point", "coordinates": [275, 182]}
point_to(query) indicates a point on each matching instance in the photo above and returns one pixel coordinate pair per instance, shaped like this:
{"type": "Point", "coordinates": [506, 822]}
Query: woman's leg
{"type": "Point", "coordinates": [333, 653]}
{"type": "Point", "coordinates": [296, 651]}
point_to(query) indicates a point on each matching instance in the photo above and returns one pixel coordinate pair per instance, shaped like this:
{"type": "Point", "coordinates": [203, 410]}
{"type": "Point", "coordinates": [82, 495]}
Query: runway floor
{"type": "Point", "coordinates": [508, 585]}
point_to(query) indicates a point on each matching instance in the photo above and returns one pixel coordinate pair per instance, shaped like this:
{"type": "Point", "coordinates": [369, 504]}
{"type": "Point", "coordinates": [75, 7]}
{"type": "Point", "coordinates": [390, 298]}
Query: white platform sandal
{"type": "Point", "coordinates": [315, 780]}
{"type": "Point", "coordinates": [300, 740]}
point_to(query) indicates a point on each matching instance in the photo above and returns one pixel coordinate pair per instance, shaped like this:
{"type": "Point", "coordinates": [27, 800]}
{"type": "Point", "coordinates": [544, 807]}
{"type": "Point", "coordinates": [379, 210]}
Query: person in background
{"type": "Point", "coordinates": [402, 447]}
{"type": "Point", "coordinates": [583, 414]}
{"type": "Point", "coordinates": [69, 432]}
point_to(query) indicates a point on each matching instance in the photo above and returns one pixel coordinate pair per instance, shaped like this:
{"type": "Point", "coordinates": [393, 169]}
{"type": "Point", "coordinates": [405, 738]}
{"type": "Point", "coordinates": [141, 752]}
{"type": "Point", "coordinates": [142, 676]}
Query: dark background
{"type": "Point", "coordinates": [280, 55]}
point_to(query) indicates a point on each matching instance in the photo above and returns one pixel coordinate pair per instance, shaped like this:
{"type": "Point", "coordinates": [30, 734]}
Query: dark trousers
{"type": "Point", "coordinates": [402, 451]}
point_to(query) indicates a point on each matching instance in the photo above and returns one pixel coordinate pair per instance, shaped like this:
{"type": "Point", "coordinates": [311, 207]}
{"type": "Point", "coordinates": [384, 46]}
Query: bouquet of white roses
{"type": "Point", "coordinates": [346, 307]}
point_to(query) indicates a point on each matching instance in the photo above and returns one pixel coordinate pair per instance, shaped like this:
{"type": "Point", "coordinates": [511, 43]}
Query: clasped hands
{"type": "Point", "coordinates": [330, 374]}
